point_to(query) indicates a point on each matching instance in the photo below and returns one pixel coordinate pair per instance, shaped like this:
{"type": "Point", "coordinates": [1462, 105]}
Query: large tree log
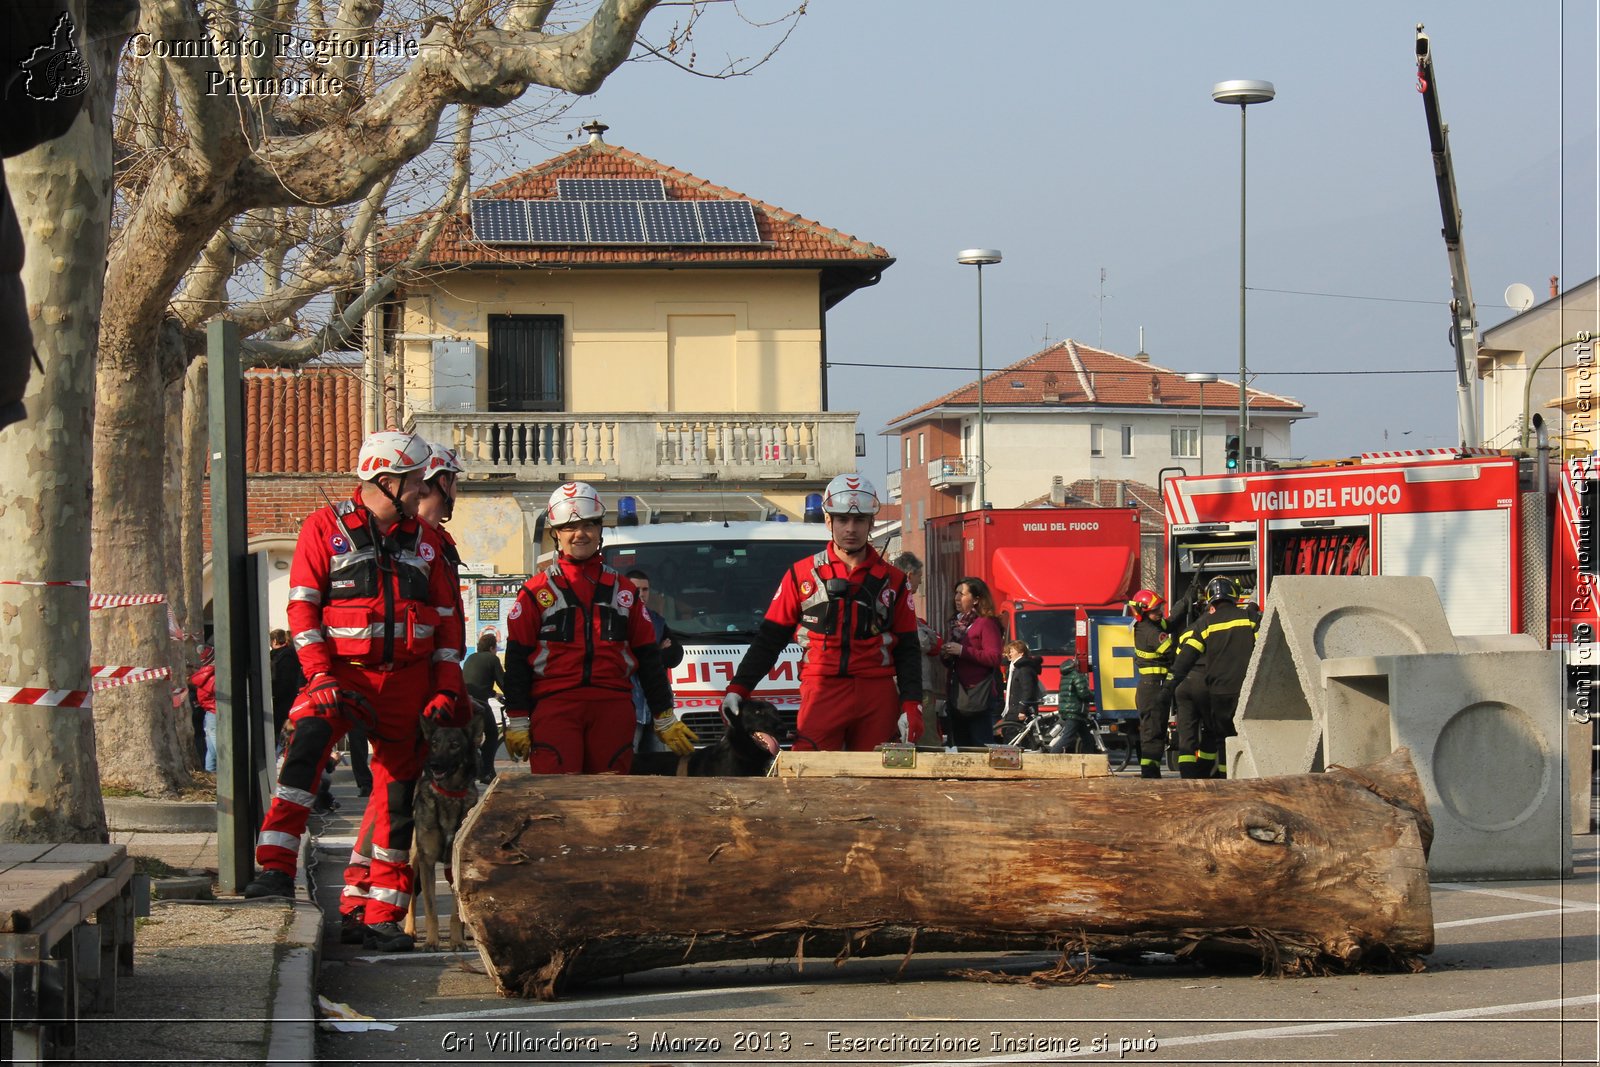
{"type": "Point", "coordinates": [566, 878]}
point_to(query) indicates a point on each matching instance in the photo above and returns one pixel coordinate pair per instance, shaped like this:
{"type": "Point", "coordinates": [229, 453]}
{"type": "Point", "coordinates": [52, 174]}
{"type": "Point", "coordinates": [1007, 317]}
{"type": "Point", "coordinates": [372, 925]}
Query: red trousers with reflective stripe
{"type": "Point", "coordinates": [582, 731]}
{"type": "Point", "coordinates": [847, 714]}
{"type": "Point", "coordinates": [383, 888]}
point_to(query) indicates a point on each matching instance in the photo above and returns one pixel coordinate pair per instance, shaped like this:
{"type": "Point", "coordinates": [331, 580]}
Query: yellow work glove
{"type": "Point", "coordinates": [516, 737]}
{"type": "Point", "coordinates": [674, 734]}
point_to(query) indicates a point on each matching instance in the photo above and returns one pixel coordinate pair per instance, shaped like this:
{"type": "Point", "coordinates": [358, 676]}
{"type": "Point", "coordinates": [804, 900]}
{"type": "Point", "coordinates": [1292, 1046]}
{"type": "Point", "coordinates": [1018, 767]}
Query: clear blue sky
{"type": "Point", "coordinates": [1077, 136]}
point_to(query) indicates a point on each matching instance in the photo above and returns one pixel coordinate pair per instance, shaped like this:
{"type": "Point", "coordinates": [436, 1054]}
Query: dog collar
{"type": "Point", "coordinates": [454, 794]}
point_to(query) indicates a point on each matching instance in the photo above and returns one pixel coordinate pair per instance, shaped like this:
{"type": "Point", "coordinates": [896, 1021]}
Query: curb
{"type": "Point", "coordinates": [141, 814]}
{"type": "Point", "coordinates": [292, 1035]}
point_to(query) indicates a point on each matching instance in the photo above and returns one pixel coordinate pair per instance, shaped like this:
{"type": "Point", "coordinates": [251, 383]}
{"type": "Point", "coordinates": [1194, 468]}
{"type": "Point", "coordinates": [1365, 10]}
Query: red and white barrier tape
{"type": "Point", "coordinates": [52, 698]}
{"type": "Point", "coordinates": [123, 600]}
{"type": "Point", "coordinates": [79, 585]}
{"type": "Point", "coordinates": [126, 676]}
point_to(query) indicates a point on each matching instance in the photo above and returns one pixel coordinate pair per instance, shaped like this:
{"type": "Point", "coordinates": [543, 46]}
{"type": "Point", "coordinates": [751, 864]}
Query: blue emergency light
{"type": "Point", "coordinates": [627, 511]}
{"type": "Point", "coordinates": [813, 507]}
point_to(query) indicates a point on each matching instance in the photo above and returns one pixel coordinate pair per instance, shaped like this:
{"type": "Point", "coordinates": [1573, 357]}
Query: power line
{"type": "Point", "coordinates": [1254, 373]}
{"type": "Point", "coordinates": [1377, 299]}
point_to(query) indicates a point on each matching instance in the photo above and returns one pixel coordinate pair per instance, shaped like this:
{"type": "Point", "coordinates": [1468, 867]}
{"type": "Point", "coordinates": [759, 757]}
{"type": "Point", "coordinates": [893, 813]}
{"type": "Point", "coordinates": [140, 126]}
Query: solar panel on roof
{"type": "Point", "coordinates": [730, 222]}
{"type": "Point", "coordinates": [615, 222]}
{"type": "Point", "coordinates": [499, 221]}
{"type": "Point", "coordinates": [611, 189]}
{"type": "Point", "coordinates": [670, 222]}
{"type": "Point", "coordinates": [556, 222]}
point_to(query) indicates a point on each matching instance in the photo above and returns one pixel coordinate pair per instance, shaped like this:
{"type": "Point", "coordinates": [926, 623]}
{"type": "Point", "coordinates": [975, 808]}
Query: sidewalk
{"type": "Point", "coordinates": [213, 981]}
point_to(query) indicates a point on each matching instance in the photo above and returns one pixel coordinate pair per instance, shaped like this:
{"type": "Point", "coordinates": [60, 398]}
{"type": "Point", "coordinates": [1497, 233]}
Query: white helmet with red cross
{"type": "Point", "coordinates": [442, 461]}
{"type": "Point", "coordinates": [574, 502]}
{"type": "Point", "coordinates": [850, 494]}
{"type": "Point", "coordinates": [391, 452]}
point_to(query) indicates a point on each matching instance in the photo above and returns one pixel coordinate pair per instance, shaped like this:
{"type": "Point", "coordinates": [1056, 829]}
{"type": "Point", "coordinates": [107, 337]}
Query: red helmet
{"type": "Point", "coordinates": [1145, 602]}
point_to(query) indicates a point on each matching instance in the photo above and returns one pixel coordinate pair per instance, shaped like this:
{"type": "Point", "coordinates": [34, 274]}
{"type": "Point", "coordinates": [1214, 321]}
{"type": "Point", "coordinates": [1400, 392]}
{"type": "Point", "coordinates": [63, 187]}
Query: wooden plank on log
{"type": "Point", "coordinates": [959, 764]}
{"type": "Point", "coordinates": [566, 878]}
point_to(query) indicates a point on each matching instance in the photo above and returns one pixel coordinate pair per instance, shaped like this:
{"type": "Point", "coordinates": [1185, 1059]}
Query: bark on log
{"type": "Point", "coordinates": [568, 878]}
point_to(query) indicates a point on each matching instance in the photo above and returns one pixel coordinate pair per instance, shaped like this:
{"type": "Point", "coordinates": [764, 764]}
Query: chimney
{"type": "Point", "coordinates": [1058, 491]}
{"type": "Point", "coordinates": [1155, 388]}
{"type": "Point", "coordinates": [1142, 356]}
{"type": "Point", "coordinates": [596, 131]}
{"type": "Point", "coordinates": [1094, 493]}
{"type": "Point", "coordinates": [1555, 280]}
{"type": "Point", "coordinates": [1122, 494]}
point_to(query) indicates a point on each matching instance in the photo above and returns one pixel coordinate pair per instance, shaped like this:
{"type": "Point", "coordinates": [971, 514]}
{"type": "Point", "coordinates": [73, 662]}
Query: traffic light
{"type": "Point", "coordinates": [1233, 452]}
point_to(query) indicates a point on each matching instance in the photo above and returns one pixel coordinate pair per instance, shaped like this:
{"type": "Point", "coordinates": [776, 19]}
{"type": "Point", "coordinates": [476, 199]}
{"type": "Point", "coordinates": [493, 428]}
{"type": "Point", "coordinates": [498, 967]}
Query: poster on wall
{"type": "Point", "coordinates": [488, 605]}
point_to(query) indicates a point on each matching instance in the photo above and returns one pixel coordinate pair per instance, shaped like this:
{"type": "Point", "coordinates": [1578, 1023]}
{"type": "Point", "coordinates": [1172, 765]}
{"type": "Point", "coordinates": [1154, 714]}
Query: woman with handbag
{"type": "Point", "coordinates": [972, 652]}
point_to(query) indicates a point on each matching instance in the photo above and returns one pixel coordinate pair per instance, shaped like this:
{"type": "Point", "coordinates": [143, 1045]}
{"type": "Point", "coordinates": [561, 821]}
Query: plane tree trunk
{"type": "Point", "coordinates": [1311, 873]}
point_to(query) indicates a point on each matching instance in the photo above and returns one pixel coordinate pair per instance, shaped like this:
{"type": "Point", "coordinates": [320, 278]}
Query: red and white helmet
{"type": "Point", "coordinates": [391, 452]}
{"type": "Point", "coordinates": [442, 461]}
{"type": "Point", "coordinates": [850, 494]}
{"type": "Point", "coordinates": [574, 502]}
{"type": "Point", "coordinates": [1145, 602]}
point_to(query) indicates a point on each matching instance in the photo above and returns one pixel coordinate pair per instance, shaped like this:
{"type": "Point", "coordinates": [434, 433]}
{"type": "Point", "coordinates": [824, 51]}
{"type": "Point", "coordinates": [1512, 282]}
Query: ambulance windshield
{"type": "Point", "coordinates": [707, 589]}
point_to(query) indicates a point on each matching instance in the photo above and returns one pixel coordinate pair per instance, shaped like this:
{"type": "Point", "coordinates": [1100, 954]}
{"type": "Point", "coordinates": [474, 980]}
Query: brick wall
{"type": "Point", "coordinates": [278, 504]}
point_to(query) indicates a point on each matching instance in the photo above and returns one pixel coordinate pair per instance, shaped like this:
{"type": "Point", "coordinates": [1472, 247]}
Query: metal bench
{"type": "Point", "coordinates": [55, 962]}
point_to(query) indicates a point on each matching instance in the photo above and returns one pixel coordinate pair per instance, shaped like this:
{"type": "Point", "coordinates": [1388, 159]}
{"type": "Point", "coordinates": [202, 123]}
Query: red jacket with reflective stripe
{"type": "Point", "coordinates": [863, 628]}
{"type": "Point", "coordinates": [371, 598]}
{"type": "Point", "coordinates": [580, 624]}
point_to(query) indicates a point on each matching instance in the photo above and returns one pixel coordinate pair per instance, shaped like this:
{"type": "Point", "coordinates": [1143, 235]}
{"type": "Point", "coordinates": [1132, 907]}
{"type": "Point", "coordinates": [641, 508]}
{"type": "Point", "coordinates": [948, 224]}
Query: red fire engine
{"type": "Point", "coordinates": [1505, 557]}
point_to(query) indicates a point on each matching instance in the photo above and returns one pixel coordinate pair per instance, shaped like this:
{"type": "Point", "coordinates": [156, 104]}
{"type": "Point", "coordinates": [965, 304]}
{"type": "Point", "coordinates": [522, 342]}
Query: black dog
{"type": "Point", "coordinates": [746, 750]}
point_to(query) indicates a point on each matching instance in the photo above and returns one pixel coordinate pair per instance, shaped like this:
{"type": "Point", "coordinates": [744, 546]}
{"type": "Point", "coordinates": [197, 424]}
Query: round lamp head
{"type": "Point", "coordinates": [978, 257]}
{"type": "Point", "coordinates": [1199, 379]}
{"type": "Point", "coordinates": [1243, 92]}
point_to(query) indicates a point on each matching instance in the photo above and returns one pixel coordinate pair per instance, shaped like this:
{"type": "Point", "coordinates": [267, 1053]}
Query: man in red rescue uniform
{"type": "Point", "coordinates": [575, 638]}
{"type": "Point", "coordinates": [373, 619]}
{"type": "Point", "coordinates": [860, 668]}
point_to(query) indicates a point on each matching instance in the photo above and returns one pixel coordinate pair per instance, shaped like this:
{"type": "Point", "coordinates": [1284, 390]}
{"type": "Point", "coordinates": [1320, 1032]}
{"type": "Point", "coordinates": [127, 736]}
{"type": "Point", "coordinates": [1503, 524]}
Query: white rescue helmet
{"type": "Point", "coordinates": [441, 461]}
{"type": "Point", "coordinates": [850, 494]}
{"type": "Point", "coordinates": [391, 452]}
{"type": "Point", "coordinates": [572, 503]}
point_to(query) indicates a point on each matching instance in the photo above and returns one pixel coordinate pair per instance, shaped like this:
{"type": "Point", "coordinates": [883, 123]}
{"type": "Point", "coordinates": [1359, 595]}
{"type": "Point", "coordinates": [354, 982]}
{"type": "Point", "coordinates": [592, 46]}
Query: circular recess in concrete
{"type": "Point", "coordinates": [1363, 631]}
{"type": "Point", "coordinates": [1490, 765]}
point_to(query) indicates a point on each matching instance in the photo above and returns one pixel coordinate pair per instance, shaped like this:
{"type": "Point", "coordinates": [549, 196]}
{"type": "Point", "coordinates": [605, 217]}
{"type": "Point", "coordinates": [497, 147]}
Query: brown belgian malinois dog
{"type": "Point", "coordinates": [447, 790]}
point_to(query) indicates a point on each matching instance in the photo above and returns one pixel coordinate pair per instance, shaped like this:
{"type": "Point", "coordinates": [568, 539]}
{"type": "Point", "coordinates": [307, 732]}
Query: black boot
{"type": "Point", "coordinates": [1149, 769]}
{"type": "Point", "coordinates": [388, 937]}
{"type": "Point", "coordinates": [352, 930]}
{"type": "Point", "coordinates": [270, 884]}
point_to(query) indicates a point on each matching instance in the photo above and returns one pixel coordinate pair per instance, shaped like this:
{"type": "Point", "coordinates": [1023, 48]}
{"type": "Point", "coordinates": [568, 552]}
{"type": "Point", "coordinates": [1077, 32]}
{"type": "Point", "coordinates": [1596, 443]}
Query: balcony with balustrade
{"type": "Point", "coordinates": [638, 447]}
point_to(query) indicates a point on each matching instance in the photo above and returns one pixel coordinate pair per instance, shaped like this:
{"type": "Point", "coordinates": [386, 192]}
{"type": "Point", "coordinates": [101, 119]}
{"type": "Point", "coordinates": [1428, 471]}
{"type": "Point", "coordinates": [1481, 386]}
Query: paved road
{"type": "Point", "coordinates": [1513, 980]}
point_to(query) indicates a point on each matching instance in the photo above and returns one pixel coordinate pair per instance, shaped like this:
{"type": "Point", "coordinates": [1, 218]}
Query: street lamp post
{"type": "Point", "coordinates": [1243, 93]}
{"type": "Point", "coordinates": [1202, 380]}
{"type": "Point", "coordinates": [980, 258]}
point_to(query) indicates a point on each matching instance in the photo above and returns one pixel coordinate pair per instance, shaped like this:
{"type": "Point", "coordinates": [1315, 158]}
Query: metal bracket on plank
{"type": "Point", "coordinates": [899, 755]}
{"type": "Point", "coordinates": [1005, 758]}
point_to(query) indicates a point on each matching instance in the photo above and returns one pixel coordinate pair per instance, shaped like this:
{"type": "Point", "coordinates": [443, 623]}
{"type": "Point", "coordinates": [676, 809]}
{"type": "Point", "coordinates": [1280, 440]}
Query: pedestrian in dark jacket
{"type": "Point", "coordinates": [1072, 704]}
{"type": "Point", "coordinates": [1022, 684]}
{"type": "Point", "coordinates": [42, 82]}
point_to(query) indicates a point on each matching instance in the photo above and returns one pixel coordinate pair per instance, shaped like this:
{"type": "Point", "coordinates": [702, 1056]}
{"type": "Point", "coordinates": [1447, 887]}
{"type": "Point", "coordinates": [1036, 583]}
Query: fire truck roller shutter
{"type": "Point", "coordinates": [1466, 553]}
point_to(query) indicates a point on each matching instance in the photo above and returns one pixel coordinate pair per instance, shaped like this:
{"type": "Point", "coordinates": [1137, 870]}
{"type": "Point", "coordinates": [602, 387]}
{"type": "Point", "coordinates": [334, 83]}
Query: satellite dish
{"type": "Point", "coordinates": [1519, 297]}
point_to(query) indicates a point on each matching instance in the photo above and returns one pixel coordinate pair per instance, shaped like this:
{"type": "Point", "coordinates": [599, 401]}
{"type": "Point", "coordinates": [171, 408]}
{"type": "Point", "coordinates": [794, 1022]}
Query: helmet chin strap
{"type": "Point", "coordinates": [384, 489]}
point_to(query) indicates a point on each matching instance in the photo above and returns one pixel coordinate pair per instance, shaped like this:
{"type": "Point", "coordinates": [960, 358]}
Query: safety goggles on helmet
{"type": "Point", "coordinates": [441, 460]}
{"type": "Point", "coordinates": [1145, 602]}
{"type": "Point", "coordinates": [391, 452]}
{"type": "Point", "coordinates": [573, 503]}
{"type": "Point", "coordinates": [850, 494]}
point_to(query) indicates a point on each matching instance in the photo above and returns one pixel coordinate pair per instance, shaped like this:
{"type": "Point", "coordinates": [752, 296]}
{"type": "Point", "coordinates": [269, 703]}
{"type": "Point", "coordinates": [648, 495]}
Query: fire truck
{"type": "Point", "coordinates": [1507, 555]}
{"type": "Point", "coordinates": [1061, 578]}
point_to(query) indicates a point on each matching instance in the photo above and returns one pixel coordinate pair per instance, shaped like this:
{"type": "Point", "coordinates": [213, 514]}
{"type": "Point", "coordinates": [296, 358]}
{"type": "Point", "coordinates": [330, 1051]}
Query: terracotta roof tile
{"type": "Point", "coordinates": [1069, 373]}
{"type": "Point", "coordinates": [302, 422]}
{"type": "Point", "coordinates": [1103, 492]}
{"type": "Point", "coordinates": [787, 238]}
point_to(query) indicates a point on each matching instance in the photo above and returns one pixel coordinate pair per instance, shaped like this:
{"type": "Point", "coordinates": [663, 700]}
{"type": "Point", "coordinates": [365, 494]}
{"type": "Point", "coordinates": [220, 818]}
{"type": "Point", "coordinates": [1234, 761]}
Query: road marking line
{"type": "Point", "coordinates": [1517, 915]}
{"type": "Point", "coordinates": [1511, 894]}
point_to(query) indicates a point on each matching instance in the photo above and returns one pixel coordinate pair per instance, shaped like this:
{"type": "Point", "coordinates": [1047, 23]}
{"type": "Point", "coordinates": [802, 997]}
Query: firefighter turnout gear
{"type": "Point", "coordinates": [373, 618]}
{"type": "Point", "coordinates": [1152, 657]}
{"type": "Point", "coordinates": [1218, 647]}
{"type": "Point", "coordinates": [859, 653]}
{"type": "Point", "coordinates": [576, 637]}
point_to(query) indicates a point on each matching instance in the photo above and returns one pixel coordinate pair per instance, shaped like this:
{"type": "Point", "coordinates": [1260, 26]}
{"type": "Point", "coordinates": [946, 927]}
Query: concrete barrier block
{"type": "Point", "coordinates": [1487, 739]}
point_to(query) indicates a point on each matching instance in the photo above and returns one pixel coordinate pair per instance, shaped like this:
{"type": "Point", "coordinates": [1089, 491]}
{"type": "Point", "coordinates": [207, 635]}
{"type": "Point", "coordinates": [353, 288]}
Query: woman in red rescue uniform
{"type": "Point", "coordinates": [372, 610]}
{"type": "Point", "coordinates": [575, 638]}
{"type": "Point", "coordinates": [861, 667]}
